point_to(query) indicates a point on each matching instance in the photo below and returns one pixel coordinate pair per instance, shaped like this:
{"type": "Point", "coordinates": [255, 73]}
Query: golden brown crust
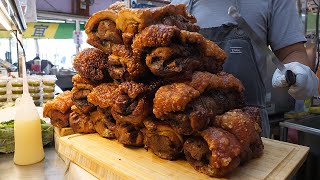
{"type": "Point", "coordinates": [99, 16]}
{"type": "Point", "coordinates": [223, 145]}
{"type": "Point", "coordinates": [143, 18]}
{"type": "Point", "coordinates": [104, 95]}
{"type": "Point", "coordinates": [81, 123]}
{"type": "Point", "coordinates": [91, 63]}
{"type": "Point", "coordinates": [162, 139]}
{"type": "Point", "coordinates": [132, 89]}
{"type": "Point", "coordinates": [203, 81]}
{"type": "Point", "coordinates": [172, 98]}
{"type": "Point", "coordinates": [100, 124]}
{"type": "Point", "coordinates": [245, 128]}
{"type": "Point", "coordinates": [77, 79]}
{"type": "Point", "coordinates": [58, 119]}
{"type": "Point", "coordinates": [117, 6]}
{"type": "Point", "coordinates": [61, 103]}
{"type": "Point", "coordinates": [128, 134]}
{"type": "Point", "coordinates": [123, 65]}
{"type": "Point", "coordinates": [154, 36]}
{"type": "Point", "coordinates": [100, 35]}
{"type": "Point", "coordinates": [209, 48]}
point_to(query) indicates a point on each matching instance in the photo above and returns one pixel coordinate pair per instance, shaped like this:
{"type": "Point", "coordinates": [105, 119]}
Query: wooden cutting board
{"type": "Point", "coordinates": [108, 159]}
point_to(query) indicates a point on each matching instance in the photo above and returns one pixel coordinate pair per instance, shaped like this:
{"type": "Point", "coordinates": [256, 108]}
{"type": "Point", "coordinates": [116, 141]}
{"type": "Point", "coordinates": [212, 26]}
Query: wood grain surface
{"type": "Point", "coordinates": [108, 159]}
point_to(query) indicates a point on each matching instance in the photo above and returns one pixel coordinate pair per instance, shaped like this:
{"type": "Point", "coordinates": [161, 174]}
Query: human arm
{"type": "Point", "coordinates": [295, 58]}
{"type": "Point", "coordinates": [294, 53]}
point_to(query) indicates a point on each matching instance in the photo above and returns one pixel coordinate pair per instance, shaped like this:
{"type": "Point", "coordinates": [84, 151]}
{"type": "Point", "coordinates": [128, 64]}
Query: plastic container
{"type": "Point", "coordinates": [16, 82]}
{"type": "Point", "coordinates": [27, 132]}
{"type": "Point", "coordinates": [17, 90]}
{"type": "Point", "coordinates": [35, 96]}
{"type": "Point", "coordinates": [3, 83]}
{"type": "Point", "coordinates": [48, 96]}
{"type": "Point", "coordinates": [34, 82]}
{"type": "Point", "coordinates": [37, 103]}
{"type": "Point", "coordinates": [14, 97]}
{"type": "Point", "coordinates": [34, 89]}
{"type": "Point", "coordinates": [49, 80]}
{"type": "Point", "coordinates": [3, 98]}
{"type": "Point", "coordinates": [48, 89]}
{"type": "Point", "coordinates": [3, 91]}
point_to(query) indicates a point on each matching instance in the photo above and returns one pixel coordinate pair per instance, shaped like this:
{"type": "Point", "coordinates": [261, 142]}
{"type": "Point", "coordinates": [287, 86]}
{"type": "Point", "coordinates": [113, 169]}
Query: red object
{"type": "Point", "coordinates": [36, 67]}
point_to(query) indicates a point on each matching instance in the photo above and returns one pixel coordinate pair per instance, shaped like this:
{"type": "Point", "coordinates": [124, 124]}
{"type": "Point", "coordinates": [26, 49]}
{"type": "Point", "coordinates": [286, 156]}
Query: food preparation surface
{"type": "Point", "coordinates": [109, 159]}
{"type": "Point", "coordinates": [52, 167]}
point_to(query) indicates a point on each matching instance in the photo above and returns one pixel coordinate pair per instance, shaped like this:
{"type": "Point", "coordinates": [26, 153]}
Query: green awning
{"type": "Point", "coordinates": [48, 30]}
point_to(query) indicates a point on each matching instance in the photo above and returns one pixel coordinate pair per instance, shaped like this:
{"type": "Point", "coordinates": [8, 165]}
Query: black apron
{"type": "Point", "coordinates": [241, 63]}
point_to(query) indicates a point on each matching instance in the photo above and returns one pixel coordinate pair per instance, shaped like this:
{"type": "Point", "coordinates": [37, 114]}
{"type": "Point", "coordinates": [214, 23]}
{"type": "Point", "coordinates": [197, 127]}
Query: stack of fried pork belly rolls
{"type": "Point", "coordinates": [153, 81]}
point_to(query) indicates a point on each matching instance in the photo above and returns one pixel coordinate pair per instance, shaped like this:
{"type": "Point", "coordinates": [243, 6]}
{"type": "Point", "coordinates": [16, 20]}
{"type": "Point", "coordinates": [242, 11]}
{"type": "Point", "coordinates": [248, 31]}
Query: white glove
{"type": "Point", "coordinates": [306, 81]}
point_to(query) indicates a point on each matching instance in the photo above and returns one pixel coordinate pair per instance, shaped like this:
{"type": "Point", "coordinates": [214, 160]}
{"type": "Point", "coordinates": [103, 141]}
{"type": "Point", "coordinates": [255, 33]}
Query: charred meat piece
{"type": "Point", "coordinates": [203, 81]}
{"type": "Point", "coordinates": [132, 106]}
{"type": "Point", "coordinates": [133, 21]}
{"type": "Point", "coordinates": [226, 99]}
{"type": "Point", "coordinates": [82, 83]}
{"type": "Point", "coordinates": [91, 64]}
{"type": "Point", "coordinates": [245, 129]}
{"type": "Point", "coordinates": [162, 139]}
{"type": "Point", "coordinates": [154, 36]}
{"type": "Point", "coordinates": [124, 66]}
{"type": "Point", "coordinates": [80, 93]}
{"type": "Point", "coordinates": [83, 105]}
{"type": "Point", "coordinates": [215, 153]}
{"type": "Point", "coordinates": [58, 110]}
{"type": "Point", "coordinates": [171, 51]}
{"type": "Point", "coordinates": [59, 119]}
{"type": "Point", "coordinates": [81, 123]}
{"type": "Point", "coordinates": [196, 116]}
{"type": "Point", "coordinates": [129, 135]}
{"type": "Point", "coordinates": [173, 98]}
{"type": "Point", "coordinates": [180, 22]}
{"type": "Point", "coordinates": [172, 61]}
{"type": "Point", "coordinates": [102, 32]}
{"type": "Point", "coordinates": [101, 121]}
{"type": "Point", "coordinates": [184, 108]}
{"type": "Point", "coordinates": [104, 95]}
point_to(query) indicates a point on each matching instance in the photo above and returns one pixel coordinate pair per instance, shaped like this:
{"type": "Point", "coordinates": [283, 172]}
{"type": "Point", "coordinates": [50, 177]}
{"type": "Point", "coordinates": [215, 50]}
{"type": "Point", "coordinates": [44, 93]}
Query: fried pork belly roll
{"type": "Point", "coordinates": [58, 110]}
{"type": "Point", "coordinates": [174, 62]}
{"type": "Point", "coordinates": [161, 138]}
{"type": "Point", "coordinates": [104, 95]}
{"type": "Point", "coordinates": [91, 63]}
{"type": "Point", "coordinates": [173, 52]}
{"type": "Point", "coordinates": [225, 89]}
{"type": "Point", "coordinates": [191, 105]}
{"type": "Point", "coordinates": [132, 105]}
{"type": "Point", "coordinates": [117, 6]}
{"type": "Point", "coordinates": [133, 21]}
{"type": "Point", "coordinates": [83, 105]}
{"type": "Point", "coordinates": [101, 29]}
{"type": "Point", "coordinates": [183, 107]}
{"type": "Point", "coordinates": [215, 152]}
{"type": "Point", "coordinates": [82, 83]}
{"type": "Point", "coordinates": [81, 123]}
{"type": "Point", "coordinates": [129, 135]}
{"type": "Point", "coordinates": [244, 127]}
{"type": "Point", "coordinates": [103, 123]}
{"type": "Point", "coordinates": [124, 66]}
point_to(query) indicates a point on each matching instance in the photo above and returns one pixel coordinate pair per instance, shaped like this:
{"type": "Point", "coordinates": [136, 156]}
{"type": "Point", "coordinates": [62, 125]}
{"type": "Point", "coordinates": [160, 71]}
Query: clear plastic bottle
{"type": "Point", "coordinates": [27, 132]}
{"type": "Point", "coordinates": [27, 128]}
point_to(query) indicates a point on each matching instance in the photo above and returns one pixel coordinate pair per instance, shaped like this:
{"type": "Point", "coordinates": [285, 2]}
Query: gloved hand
{"type": "Point", "coordinates": [306, 81]}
